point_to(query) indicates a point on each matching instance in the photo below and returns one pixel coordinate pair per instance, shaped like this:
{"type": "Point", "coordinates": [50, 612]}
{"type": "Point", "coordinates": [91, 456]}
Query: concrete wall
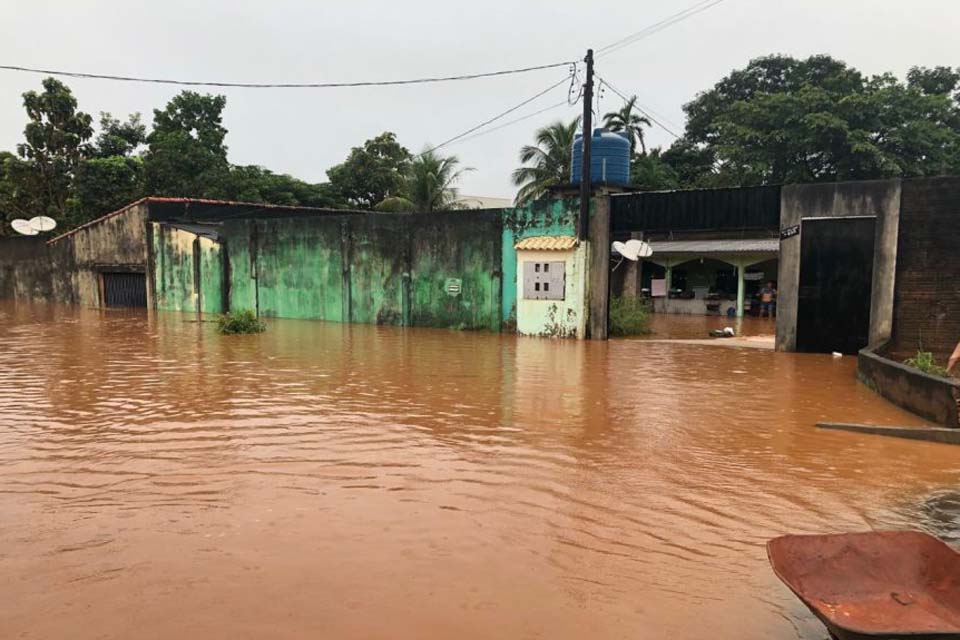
{"type": "Point", "coordinates": [187, 271]}
{"type": "Point", "coordinates": [555, 318]}
{"type": "Point", "coordinates": [67, 269]}
{"type": "Point", "coordinates": [927, 308]}
{"type": "Point", "coordinates": [25, 272]}
{"type": "Point", "coordinates": [934, 398]}
{"type": "Point", "coordinates": [439, 270]}
{"type": "Point", "coordinates": [543, 218]}
{"type": "Point", "coordinates": [878, 198]}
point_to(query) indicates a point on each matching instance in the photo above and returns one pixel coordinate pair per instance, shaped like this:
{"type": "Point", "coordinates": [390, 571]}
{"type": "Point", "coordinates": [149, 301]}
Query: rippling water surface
{"type": "Point", "coordinates": [327, 481]}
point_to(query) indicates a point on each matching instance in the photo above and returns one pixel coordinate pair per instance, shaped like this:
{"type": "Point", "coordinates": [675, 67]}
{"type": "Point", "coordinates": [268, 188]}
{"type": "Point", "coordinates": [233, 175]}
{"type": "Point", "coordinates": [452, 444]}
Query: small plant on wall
{"type": "Point", "coordinates": [245, 321]}
{"type": "Point", "coordinates": [925, 362]}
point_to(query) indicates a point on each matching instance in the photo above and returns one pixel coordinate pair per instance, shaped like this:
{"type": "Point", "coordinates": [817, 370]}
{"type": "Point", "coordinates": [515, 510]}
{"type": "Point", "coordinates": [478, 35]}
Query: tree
{"type": "Point", "coordinates": [56, 137]}
{"type": "Point", "coordinates": [103, 185]}
{"type": "Point", "coordinates": [430, 181]}
{"type": "Point", "coordinates": [651, 173]}
{"type": "Point", "coordinates": [783, 120]}
{"type": "Point", "coordinates": [371, 173]}
{"type": "Point", "coordinates": [547, 163]}
{"type": "Point", "coordinates": [187, 155]}
{"type": "Point", "coordinates": [119, 138]}
{"type": "Point", "coordinates": [257, 184]}
{"type": "Point", "coordinates": [630, 123]}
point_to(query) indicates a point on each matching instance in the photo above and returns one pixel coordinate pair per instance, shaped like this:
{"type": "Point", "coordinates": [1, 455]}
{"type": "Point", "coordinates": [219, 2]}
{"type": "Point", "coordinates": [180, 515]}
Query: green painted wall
{"type": "Point", "coordinates": [211, 275]}
{"type": "Point", "coordinates": [541, 218]}
{"type": "Point", "coordinates": [437, 270]}
{"type": "Point", "coordinates": [457, 246]}
{"type": "Point", "coordinates": [448, 269]}
{"type": "Point", "coordinates": [242, 289]}
{"type": "Point", "coordinates": [174, 269]}
{"type": "Point", "coordinates": [299, 268]}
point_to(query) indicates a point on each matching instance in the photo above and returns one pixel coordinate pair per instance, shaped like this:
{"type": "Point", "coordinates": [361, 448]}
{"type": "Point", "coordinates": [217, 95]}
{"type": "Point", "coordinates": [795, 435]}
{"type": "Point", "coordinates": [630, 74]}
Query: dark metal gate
{"type": "Point", "coordinates": [836, 274]}
{"type": "Point", "coordinates": [124, 290]}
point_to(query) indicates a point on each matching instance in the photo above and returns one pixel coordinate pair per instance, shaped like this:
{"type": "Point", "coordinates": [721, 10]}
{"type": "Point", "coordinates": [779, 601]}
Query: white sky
{"type": "Point", "coordinates": [305, 131]}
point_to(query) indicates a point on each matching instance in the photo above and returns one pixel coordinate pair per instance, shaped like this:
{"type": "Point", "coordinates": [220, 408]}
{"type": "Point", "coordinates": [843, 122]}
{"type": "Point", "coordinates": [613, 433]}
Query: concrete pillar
{"type": "Point", "coordinates": [632, 276]}
{"type": "Point", "coordinates": [669, 278]}
{"type": "Point", "coordinates": [741, 289]}
{"type": "Point", "coordinates": [598, 271]}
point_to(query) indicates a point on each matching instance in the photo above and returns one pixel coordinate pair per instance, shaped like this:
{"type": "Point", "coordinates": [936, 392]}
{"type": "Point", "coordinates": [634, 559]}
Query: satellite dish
{"type": "Point", "coordinates": [24, 227]}
{"type": "Point", "coordinates": [43, 223]}
{"type": "Point", "coordinates": [639, 248]}
{"type": "Point", "coordinates": [627, 250]}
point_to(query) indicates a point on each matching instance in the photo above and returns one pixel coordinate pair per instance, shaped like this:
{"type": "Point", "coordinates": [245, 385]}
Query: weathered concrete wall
{"type": "Point", "coordinates": [187, 271]}
{"type": "Point", "coordinates": [542, 218]}
{"type": "Point", "coordinates": [174, 282]}
{"type": "Point", "coordinates": [68, 268]}
{"type": "Point", "coordinates": [440, 269]}
{"type": "Point", "coordinates": [934, 398]}
{"type": "Point", "coordinates": [877, 198]}
{"type": "Point", "coordinates": [927, 309]}
{"type": "Point", "coordinates": [555, 318]}
{"type": "Point", "coordinates": [25, 272]}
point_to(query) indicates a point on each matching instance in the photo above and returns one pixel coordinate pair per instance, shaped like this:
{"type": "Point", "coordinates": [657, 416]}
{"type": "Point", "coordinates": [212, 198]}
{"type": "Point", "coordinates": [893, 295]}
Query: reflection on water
{"type": "Point", "coordinates": [330, 481]}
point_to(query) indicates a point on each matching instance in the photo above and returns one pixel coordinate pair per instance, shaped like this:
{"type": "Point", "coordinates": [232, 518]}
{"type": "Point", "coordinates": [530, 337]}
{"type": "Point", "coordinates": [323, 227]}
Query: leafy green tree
{"type": "Point", "coordinates": [547, 163]}
{"type": "Point", "coordinates": [256, 184]}
{"type": "Point", "coordinates": [119, 138]}
{"type": "Point", "coordinates": [371, 173]}
{"type": "Point", "coordinates": [651, 173]}
{"type": "Point", "coordinates": [187, 155]}
{"type": "Point", "coordinates": [783, 120]}
{"type": "Point", "coordinates": [630, 123]}
{"type": "Point", "coordinates": [55, 142]}
{"type": "Point", "coordinates": [103, 185]}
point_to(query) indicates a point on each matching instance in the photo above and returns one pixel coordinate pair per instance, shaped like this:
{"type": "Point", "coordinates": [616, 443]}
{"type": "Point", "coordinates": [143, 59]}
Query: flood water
{"type": "Point", "coordinates": [327, 481]}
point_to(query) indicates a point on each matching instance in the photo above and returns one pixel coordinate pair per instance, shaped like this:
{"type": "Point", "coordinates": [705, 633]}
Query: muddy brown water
{"type": "Point", "coordinates": [327, 481]}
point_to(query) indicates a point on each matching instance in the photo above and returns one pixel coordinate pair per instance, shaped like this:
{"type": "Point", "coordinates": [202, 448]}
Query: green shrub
{"type": "Point", "coordinates": [245, 321]}
{"type": "Point", "coordinates": [629, 317]}
{"type": "Point", "coordinates": [924, 362]}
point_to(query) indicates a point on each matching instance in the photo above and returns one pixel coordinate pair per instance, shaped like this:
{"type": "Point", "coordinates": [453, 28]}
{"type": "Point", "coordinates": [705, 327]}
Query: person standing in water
{"type": "Point", "coordinates": [768, 295]}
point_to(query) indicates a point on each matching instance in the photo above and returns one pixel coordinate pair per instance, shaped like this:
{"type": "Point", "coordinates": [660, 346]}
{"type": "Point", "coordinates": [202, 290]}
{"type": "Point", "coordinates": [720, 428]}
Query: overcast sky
{"type": "Point", "coordinates": [305, 131]}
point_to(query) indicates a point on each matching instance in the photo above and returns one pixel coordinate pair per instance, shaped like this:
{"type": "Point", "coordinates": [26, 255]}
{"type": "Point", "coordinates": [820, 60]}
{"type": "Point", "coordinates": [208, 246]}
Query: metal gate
{"type": "Point", "coordinates": [124, 289]}
{"type": "Point", "coordinates": [836, 274]}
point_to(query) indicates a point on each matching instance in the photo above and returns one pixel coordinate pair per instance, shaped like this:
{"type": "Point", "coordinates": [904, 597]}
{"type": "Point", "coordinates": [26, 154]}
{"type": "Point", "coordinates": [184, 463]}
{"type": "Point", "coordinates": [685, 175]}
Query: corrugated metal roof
{"type": "Point", "coordinates": [754, 245]}
{"type": "Point", "coordinates": [547, 243]}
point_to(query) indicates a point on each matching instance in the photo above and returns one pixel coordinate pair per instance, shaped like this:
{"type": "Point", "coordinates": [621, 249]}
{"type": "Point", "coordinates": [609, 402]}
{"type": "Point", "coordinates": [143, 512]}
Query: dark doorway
{"type": "Point", "coordinates": [836, 273]}
{"type": "Point", "coordinates": [124, 290]}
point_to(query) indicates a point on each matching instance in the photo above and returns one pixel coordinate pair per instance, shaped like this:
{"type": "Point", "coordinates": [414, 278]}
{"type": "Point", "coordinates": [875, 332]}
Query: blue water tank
{"type": "Point", "coordinates": [609, 158]}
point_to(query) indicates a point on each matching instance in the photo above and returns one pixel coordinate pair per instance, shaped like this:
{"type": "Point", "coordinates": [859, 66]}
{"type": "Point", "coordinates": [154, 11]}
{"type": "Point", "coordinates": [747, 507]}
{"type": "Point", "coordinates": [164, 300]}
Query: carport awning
{"type": "Point", "coordinates": [716, 247]}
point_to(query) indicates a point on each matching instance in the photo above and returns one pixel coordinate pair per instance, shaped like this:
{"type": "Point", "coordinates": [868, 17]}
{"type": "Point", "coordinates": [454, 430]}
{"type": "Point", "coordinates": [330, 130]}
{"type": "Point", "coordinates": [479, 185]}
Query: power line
{"type": "Point", "coordinates": [639, 108]}
{"type": "Point", "coordinates": [512, 122]}
{"type": "Point", "coordinates": [496, 117]}
{"type": "Point", "coordinates": [284, 85]}
{"type": "Point", "coordinates": [658, 26]}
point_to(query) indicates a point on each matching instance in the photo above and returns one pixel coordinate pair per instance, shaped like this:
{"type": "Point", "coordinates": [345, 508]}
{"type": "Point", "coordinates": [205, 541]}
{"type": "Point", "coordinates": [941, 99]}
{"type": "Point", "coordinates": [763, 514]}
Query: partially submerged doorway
{"type": "Point", "coordinates": [124, 289]}
{"type": "Point", "coordinates": [836, 274]}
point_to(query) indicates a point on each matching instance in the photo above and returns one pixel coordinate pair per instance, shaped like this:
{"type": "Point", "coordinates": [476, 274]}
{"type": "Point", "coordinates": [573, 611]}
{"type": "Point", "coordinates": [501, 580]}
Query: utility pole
{"type": "Point", "coordinates": [587, 138]}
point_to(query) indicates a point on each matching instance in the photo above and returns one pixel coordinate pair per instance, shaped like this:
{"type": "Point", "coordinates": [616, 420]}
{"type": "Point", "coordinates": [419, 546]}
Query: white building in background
{"type": "Point", "coordinates": [483, 202]}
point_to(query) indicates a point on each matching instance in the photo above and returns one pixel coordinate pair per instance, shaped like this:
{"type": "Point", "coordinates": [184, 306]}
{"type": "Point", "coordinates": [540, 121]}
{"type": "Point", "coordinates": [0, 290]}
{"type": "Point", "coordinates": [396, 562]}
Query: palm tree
{"type": "Point", "coordinates": [630, 123]}
{"type": "Point", "coordinates": [546, 164]}
{"type": "Point", "coordinates": [428, 185]}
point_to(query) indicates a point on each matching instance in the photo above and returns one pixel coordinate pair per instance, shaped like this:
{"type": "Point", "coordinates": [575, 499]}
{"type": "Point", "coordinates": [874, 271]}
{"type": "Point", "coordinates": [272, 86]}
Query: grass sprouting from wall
{"type": "Point", "coordinates": [629, 317]}
{"type": "Point", "coordinates": [925, 362]}
{"type": "Point", "coordinates": [245, 321]}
